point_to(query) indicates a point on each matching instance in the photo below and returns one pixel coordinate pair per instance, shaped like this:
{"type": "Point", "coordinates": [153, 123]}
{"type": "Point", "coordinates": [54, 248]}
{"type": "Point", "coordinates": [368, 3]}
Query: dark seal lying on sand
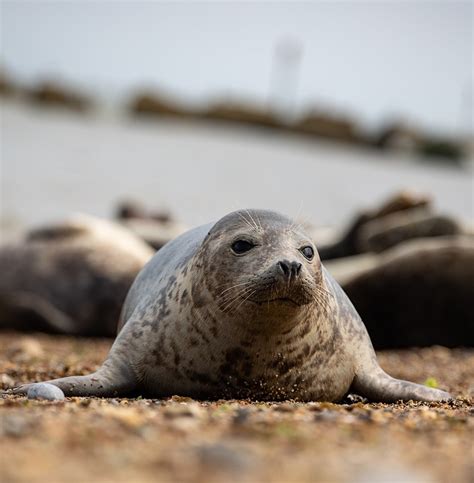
{"type": "Point", "coordinates": [420, 293]}
{"type": "Point", "coordinates": [239, 309]}
{"type": "Point", "coordinates": [404, 216]}
{"type": "Point", "coordinates": [70, 278]}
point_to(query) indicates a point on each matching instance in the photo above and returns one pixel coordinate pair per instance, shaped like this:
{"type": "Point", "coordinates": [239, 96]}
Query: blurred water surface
{"type": "Point", "coordinates": [54, 163]}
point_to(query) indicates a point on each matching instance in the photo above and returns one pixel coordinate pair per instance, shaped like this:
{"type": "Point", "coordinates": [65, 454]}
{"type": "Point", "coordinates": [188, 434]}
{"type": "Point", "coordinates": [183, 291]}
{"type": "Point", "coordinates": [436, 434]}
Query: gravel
{"type": "Point", "coordinates": [180, 439]}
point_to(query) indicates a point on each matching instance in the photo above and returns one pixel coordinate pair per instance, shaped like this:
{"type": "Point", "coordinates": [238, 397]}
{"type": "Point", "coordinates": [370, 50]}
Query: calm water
{"type": "Point", "coordinates": [55, 163]}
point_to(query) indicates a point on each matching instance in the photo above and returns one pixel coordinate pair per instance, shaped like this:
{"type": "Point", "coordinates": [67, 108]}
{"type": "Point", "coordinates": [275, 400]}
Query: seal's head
{"type": "Point", "coordinates": [259, 262]}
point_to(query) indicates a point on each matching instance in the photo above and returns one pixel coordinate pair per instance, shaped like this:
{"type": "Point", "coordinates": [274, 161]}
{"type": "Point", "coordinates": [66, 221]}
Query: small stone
{"type": "Point", "coordinates": [6, 381]}
{"type": "Point", "coordinates": [241, 416]}
{"type": "Point", "coordinates": [128, 416]}
{"type": "Point", "coordinates": [284, 408]}
{"type": "Point", "coordinates": [46, 391]}
{"type": "Point", "coordinates": [223, 457]}
{"type": "Point", "coordinates": [15, 426]}
{"type": "Point", "coordinates": [182, 410]}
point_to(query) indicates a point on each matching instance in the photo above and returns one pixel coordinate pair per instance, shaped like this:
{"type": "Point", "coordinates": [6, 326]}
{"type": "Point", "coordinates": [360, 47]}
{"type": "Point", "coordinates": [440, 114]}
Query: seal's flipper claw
{"type": "Point", "coordinates": [379, 386]}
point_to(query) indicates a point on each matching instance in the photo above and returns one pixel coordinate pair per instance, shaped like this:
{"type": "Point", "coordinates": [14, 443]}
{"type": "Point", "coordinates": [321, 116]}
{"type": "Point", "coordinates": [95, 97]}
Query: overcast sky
{"type": "Point", "coordinates": [377, 60]}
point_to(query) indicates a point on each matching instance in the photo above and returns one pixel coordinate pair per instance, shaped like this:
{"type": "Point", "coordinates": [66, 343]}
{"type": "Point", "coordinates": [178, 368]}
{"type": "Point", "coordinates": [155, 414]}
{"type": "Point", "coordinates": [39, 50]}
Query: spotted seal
{"type": "Point", "coordinates": [417, 294]}
{"type": "Point", "coordinates": [241, 309]}
{"type": "Point", "coordinates": [70, 277]}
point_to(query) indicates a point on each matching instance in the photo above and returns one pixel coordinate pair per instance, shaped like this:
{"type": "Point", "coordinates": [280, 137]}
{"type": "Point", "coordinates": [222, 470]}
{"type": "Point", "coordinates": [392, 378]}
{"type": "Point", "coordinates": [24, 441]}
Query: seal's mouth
{"type": "Point", "coordinates": [282, 300]}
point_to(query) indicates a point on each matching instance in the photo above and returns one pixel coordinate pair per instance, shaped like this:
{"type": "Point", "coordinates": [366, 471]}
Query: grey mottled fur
{"type": "Point", "coordinates": [201, 321]}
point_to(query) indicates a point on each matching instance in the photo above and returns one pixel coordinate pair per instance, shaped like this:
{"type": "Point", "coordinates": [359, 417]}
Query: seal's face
{"type": "Point", "coordinates": [260, 261]}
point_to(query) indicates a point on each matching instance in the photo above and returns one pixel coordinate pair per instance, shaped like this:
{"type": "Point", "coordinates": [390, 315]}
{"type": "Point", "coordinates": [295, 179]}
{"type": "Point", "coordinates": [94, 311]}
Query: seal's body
{"type": "Point", "coordinates": [418, 294]}
{"type": "Point", "coordinates": [242, 308]}
{"type": "Point", "coordinates": [69, 278]}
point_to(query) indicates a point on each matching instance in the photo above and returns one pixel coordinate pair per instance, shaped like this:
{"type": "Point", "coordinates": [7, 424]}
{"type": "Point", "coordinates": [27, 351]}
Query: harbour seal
{"type": "Point", "coordinates": [351, 241]}
{"type": "Point", "coordinates": [404, 216]}
{"type": "Point", "coordinates": [417, 294]}
{"type": "Point", "coordinates": [156, 228]}
{"type": "Point", "coordinates": [241, 309]}
{"type": "Point", "coordinates": [69, 278]}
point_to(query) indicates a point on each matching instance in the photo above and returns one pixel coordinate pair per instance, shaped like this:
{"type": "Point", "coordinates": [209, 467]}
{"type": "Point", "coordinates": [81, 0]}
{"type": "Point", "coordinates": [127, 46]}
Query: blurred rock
{"type": "Point", "coordinates": [15, 426]}
{"type": "Point", "coordinates": [155, 104]}
{"type": "Point", "coordinates": [51, 93]}
{"type": "Point", "coordinates": [438, 148]}
{"type": "Point", "coordinates": [399, 136]}
{"type": "Point", "coordinates": [222, 457]}
{"type": "Point", "coordinates": [69, 278]}
{"type": "Point", "coordinates": [6, 381]}
{"type": "Point", "coordinates": [7, 86]}
{"type": "Point", "coordinates": [133, 210]}
{"type": "Point", "coordinates": [329, 126]}
{"type": "Point", "coordinates": [241, 112]}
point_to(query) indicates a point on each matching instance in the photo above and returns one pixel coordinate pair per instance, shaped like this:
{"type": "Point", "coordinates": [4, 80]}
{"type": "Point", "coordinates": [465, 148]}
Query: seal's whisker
{"type": "Point", "coordinates": [245, 299]}
{"type": "Point", "coordinates": [322, 290]}
{"type": "Point", "coordinates": [227, 285]}
{"type": "Point", "coordinates": [230, 295]}
{"type": "Point", "coordinates": [322, 301]}
{"type": "Point", "coordinates": [247, 222]}
{"type": "Point", "coordinates": [242, 293]}
{"type": "Point", "coordinates": [253, 220]}
{"type": "Point", "coordinates": [259, 222]}
{"type": "Point", "coordinates": [234, 286]}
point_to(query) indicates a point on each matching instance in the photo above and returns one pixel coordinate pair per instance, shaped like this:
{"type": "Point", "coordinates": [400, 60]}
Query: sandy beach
{"type": "Point", "coordinates": [180, 439]}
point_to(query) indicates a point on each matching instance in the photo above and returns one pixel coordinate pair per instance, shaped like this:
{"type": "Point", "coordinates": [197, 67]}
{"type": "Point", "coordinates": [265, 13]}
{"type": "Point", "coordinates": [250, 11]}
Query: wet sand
{"type": "Point", "coordinates": [179, 439]}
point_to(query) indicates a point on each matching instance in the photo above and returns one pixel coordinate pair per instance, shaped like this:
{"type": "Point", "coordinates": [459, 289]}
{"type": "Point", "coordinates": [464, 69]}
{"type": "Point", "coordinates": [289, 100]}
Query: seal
{"type": "Point", "coordinates": [241, 309]}
{"type": "Point", "coordinates": [417, 294]}
{"type": "Point", "coordinates": [69, 278]}
{"type": "Point", "coordinates": [404, 216]}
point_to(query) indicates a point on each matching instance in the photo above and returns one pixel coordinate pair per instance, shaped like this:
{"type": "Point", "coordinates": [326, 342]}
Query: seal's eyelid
{"type": "Point", "coordinates": [246, 237]}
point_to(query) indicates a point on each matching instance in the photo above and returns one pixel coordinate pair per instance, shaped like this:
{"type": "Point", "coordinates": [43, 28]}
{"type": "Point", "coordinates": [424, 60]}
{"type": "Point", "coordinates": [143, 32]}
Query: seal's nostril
{"type": "Point", "coordinates": [284, 267]}
{"type": "Point", "coordinates": [289, 269]}
{"type": "Point", "coordinates": [296, 267]}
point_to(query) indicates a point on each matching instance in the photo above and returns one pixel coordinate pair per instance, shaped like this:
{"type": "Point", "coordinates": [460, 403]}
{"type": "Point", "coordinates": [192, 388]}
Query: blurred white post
{"type": "Point", "coordinates": [284, 78]}
{"type": "Point", "coordinates": [467, 121]}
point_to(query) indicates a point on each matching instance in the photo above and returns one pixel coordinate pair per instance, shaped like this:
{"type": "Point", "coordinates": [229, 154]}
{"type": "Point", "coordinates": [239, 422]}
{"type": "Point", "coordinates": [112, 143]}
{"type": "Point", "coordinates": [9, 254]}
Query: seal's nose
{"type": "Point", "coordinates": [289, 269]}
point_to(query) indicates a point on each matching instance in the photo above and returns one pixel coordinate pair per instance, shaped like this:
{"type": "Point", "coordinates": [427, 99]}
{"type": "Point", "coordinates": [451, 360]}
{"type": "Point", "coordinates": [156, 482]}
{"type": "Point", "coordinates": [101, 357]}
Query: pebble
{"type": "Point", "coordinates": [13, 425]}
{"type": "Point", "coordinates": [46, 391]}
{"type": "Point", "coordinates": [223, 457]}
{"type": "Point", "coordinates": [7, 381]}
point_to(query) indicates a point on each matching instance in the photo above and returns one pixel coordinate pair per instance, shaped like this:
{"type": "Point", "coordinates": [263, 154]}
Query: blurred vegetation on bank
{"type": "Point", "coordinates": [316, 123]}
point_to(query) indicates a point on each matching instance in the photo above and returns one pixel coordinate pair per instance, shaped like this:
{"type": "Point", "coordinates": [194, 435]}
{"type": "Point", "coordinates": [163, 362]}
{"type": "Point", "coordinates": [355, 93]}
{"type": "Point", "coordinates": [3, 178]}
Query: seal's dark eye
{"type": "Point", "coordinates": [242, 246]}
{"type": "Point", "coordinates": [308, 252]}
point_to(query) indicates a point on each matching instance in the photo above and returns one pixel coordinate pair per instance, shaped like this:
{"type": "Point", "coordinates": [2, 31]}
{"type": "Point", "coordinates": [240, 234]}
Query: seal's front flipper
{"type": "Point", "coordinates": [108, 381]}
{"type": "Point", "coordinates": [379, 386]}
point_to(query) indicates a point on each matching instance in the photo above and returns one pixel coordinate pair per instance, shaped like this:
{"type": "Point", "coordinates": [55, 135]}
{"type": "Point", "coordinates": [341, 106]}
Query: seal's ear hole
{"type": "Point", "coordinates": [241, 246]}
